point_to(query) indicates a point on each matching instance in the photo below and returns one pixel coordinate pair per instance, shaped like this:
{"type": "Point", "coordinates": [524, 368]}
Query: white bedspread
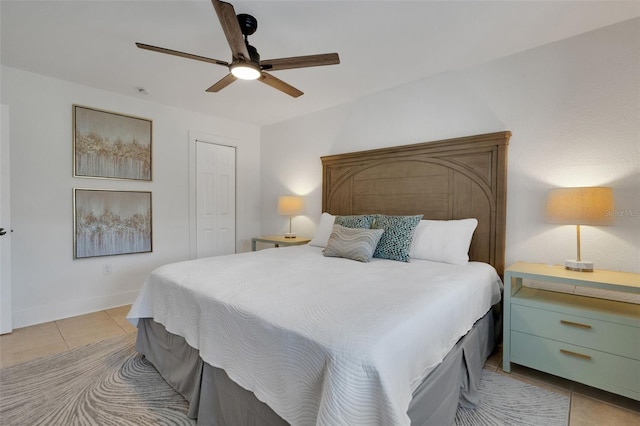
{"type": "Point", "coordinates": [322, 341]}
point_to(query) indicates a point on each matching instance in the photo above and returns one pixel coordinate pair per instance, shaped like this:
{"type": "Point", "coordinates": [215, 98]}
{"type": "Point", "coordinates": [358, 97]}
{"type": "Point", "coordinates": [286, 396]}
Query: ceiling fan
{"type": "Point", "coordinates": [245, 63]}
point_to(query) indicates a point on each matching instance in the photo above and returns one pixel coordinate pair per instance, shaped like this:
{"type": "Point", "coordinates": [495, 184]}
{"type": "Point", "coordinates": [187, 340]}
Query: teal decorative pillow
{"type": "Point", "coordinates": [352, 243]}
{"type": "Point", "coordinates": [355, 221]}
{"type": "Point", "coordinates": [395, 243]}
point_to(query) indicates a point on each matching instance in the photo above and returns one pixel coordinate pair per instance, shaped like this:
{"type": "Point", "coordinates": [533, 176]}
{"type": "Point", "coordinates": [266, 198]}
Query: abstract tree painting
{"type": "Point", "coordinates": [111, 145]}
{"type": "Point", "coordinates": [108, 222]}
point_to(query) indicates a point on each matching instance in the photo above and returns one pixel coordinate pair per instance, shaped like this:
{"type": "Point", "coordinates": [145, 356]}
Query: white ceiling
{"type": "Point", "coordinates": [382, 44]}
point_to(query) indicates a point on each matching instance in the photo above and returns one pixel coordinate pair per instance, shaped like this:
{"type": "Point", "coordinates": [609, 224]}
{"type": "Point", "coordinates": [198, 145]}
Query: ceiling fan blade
{"type": "Point", "coordinates": [221, 84]}
{"type": "Point", "coordinates": [300, 62]}
{"type": "Point", "coordinates": [181, 54]}
{"type": "Point", "coordinates": [276, 83]}
{"type": "Point", "coordinates": [231, 27]}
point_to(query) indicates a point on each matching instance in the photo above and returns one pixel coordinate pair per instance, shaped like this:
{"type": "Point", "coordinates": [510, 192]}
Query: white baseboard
{"type": "Point", "coordinates": [42, 314]}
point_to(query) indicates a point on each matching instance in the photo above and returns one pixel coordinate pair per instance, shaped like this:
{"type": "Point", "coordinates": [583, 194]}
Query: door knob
{"type": "Point", "coordinates": [2, 231]}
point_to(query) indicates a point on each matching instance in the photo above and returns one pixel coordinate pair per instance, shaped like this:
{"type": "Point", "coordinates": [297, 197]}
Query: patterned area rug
{"type": "Point", "coordinates": [108, 383]}
{"type": "Point", "coordinates": [506, 401]}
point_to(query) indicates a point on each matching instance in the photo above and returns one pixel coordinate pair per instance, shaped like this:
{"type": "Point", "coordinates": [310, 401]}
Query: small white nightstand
{"type": "Point", "coordinates": [279, 240]}
{"type": "Point", "coordinates": [584, 339]}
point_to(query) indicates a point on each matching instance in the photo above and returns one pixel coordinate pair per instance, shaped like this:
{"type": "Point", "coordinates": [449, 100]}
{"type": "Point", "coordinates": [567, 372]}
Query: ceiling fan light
{"type": "Point", "coordinates": [245, 71]}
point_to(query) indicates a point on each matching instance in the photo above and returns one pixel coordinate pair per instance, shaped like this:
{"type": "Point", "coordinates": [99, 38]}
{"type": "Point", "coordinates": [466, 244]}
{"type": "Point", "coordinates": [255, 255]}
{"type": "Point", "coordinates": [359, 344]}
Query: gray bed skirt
{"type": "Point", "coordinates": [216, 400]}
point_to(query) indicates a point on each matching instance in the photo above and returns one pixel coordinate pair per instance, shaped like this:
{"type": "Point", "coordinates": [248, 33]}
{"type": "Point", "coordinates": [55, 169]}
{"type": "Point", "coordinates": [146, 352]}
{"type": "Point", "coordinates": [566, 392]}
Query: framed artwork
{"type": "Point", "coordinates": [109, 145]}
{"type": "Point", "coordinates": [109, 222]}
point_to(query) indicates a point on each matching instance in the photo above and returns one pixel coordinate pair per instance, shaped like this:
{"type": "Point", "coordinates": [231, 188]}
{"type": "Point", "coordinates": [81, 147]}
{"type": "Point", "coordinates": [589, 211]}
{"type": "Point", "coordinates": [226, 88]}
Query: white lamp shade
{"type": "Point", "coordinates": [290, 205]}
{"type": "Point", "coordinates": [580, 206]}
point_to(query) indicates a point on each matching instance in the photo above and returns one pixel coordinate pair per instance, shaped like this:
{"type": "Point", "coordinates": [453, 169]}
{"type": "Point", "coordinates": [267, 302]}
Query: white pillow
{"type": "Point", "coordinates": [443, 240]}
{"type": "Point", "coordinates": [321, 237]}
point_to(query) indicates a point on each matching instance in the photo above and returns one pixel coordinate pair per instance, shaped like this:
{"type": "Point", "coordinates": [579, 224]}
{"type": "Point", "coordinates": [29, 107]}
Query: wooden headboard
{"type": "Point", "coordinates": [448, 179]}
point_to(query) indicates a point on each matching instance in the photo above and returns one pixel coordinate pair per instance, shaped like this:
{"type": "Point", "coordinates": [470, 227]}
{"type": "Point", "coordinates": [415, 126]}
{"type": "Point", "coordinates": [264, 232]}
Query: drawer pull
{"type": "Point", "coordinates": [575, 324]}
{"type": "Point", "coordinates": [575, 354]}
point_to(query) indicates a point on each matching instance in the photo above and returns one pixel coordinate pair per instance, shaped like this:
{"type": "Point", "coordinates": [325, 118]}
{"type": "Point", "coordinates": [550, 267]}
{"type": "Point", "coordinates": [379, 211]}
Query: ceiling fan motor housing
{"type": "Point", "coordinates": [253, 54]}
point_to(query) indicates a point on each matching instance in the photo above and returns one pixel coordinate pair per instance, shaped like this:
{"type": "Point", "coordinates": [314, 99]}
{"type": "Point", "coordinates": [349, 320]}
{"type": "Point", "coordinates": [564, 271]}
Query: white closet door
{"type": "Point", "coordinates": [215, 199]}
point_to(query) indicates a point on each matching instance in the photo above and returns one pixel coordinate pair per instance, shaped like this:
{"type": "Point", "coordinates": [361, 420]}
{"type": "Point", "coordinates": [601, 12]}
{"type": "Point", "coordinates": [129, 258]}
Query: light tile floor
{"type": "Point", "coordinates": [589, 406]}
{"type": "Point", "coordinates": [25, 344]}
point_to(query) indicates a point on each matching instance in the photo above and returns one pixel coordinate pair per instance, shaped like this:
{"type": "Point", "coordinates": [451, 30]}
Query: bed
{"type": "Point", "coordinates": [289, 336]}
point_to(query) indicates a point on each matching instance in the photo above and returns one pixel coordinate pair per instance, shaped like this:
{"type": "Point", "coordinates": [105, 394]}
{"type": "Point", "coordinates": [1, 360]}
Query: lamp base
{"type": "Point", "coordinates": [290, 235]}
{"type": "Point", "coordinates": [578, 265]}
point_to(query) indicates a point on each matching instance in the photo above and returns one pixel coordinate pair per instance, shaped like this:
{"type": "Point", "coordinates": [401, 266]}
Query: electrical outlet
{"type": "Point", "coordinates": [106, 269]}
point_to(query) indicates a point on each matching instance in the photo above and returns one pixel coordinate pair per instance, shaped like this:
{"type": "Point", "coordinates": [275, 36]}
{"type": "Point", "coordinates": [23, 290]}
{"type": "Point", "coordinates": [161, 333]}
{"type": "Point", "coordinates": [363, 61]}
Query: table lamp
{"type": "Point", "coordinates": [580, 206]}
{"type": "Point", "coordinates": [290, 206]}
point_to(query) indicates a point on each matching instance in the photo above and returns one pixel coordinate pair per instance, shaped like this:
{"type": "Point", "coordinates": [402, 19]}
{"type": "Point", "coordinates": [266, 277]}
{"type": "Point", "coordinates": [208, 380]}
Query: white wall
{"type": "Point", "coordinates": [573, 108]}
{"type": "Point", "coordinates": [47, 283]}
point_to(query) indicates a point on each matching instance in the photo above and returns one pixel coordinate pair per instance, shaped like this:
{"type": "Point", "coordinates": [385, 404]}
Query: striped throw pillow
{"type": "Point", "coordinates": [352, 243]}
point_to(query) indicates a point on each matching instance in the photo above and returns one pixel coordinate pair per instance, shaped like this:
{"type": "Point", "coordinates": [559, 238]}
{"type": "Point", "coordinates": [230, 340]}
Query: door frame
{"type": "Point", "coordinates": [6, 313]}
{"type": "Point", "coordinates": [194, 138]}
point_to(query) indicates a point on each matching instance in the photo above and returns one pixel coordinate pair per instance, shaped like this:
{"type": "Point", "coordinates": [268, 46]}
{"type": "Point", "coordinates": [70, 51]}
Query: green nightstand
{"type": "Point", "coordinates": [584, 339]}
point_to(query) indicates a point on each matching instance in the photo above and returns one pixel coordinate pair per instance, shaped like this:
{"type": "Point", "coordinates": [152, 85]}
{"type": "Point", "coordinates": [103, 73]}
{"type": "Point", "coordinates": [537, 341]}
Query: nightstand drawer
{"type": "Point", "coordinates": [605, 336]}
{"type": "Point", "coordinates": [610, 372]}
